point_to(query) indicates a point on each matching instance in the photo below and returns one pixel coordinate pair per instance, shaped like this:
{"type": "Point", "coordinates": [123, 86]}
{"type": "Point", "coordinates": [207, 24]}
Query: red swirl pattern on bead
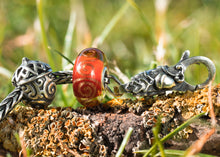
{"type": "Point", "coordinates": [85, 67]}
{"type": "Point", "coordinates": [85, 87]}
{"type": "Point", "coordinates": [88, 76]}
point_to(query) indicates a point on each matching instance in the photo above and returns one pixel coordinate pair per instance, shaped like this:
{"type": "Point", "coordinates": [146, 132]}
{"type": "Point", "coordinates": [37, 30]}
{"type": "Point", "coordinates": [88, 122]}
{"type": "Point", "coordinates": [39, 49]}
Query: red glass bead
{"type": "Point", "coordinates": [88, 76]}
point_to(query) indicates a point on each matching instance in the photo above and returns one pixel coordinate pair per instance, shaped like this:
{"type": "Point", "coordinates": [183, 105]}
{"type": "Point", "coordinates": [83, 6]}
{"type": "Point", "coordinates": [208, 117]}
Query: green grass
{"type": "Point", "coordinates": [159, 142]}
{"type": "Point", "coordinates": [130, 38]}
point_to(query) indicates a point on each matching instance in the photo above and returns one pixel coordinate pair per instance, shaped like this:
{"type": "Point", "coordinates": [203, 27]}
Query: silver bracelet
{"type": "Point", "coordinates": [35, 83]}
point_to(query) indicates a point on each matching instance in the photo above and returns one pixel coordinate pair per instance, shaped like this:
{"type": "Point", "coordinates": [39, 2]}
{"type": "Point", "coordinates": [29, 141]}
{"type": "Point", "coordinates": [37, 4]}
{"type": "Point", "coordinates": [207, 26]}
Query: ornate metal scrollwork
{"type": "Point", "coordinates": [163, 78]}
{"type": "Point", "coordinates": [35, 85]}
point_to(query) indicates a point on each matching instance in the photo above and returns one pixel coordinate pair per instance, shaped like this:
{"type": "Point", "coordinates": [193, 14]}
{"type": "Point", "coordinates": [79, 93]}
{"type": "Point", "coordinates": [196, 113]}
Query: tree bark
{"type": "Point", "coordinates": [99, 131]}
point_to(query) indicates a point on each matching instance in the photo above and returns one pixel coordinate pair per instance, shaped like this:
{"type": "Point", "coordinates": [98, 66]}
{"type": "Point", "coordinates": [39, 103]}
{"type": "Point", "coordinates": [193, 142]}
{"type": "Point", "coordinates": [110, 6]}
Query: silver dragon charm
{"type": "Point", "coordinates": [35, 85]}
{"type": "Point", "coordinates": [165, 78]}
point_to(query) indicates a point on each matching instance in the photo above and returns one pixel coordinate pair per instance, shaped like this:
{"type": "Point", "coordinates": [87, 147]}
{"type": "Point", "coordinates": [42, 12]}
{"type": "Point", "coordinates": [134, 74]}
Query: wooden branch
{"type": "Point", "coordinates": [100, 131]}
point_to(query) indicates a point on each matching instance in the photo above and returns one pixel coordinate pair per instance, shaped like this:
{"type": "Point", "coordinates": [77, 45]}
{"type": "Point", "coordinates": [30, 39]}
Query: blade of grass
{"type": "Point", "coordinates": [157, 140]}
{"type": "Point", "coordinates": [69, 36]}
{"type": "Point", "coordinates": [39, 4]}
{"type": "Point", "coordinates": [66, 58]}
{"type": "Point", "coordinates": [181, 153]}
{"type": "Point", "coordinates": [176, 153]}
{"type": "Point", "coordinates": [174, 132]}
{"type": "Point", "coordinates": [124, 142]}
{"type": "Point", "coordinates": [99, 40]}
{"type": "Point", "coordinates": [144, 19]}
{"type": "Point", "coordinates": [5, 72]}
{"type": "Point", "coordinates": [181, 127]}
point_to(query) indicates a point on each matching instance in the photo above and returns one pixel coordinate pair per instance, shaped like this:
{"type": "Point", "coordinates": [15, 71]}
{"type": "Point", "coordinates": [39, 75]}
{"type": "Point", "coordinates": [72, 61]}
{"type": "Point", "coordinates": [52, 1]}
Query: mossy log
{"type": "Point", "coordinates": [99, 131]}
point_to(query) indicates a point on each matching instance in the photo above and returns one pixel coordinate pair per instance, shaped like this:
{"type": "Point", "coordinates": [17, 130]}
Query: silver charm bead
{"type": "Point", "coordinates": [35, 85]}
{"type": "Point", "coordinates": [35, 81]}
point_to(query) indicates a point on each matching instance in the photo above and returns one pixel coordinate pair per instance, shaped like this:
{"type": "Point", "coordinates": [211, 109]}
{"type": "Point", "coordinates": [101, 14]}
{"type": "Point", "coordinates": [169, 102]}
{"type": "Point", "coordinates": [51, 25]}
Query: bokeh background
{"type": "Point", "coordinates": [135, 35]}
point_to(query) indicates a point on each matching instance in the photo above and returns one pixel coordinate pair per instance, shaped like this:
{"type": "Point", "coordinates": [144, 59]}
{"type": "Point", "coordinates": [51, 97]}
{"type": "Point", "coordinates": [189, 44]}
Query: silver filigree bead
{"type": "Point", "coordinates": [34, 79]}
{"type": "Point", "coordinates": [35, 85]}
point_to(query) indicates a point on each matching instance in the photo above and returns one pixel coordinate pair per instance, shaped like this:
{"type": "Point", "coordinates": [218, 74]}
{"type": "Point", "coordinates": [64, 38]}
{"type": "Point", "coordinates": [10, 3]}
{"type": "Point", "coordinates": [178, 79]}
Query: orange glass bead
{"type": "Point", "coordinates": [88, 77]}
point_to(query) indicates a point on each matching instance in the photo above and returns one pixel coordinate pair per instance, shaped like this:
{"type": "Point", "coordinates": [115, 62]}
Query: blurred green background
{"type": "Point", "coordinates": [135, 35]}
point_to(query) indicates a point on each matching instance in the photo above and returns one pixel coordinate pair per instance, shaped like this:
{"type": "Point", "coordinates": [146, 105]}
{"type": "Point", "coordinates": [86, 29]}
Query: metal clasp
{"type": "Point", "coordinates": [168, 78]}
{"type": "Point", "coordinates": [185, 61]}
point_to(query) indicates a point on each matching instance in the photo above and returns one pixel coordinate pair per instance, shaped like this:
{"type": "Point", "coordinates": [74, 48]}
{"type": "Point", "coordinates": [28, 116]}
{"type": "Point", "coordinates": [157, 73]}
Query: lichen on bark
{"type": "Point", "coordinates": [100, 131]}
